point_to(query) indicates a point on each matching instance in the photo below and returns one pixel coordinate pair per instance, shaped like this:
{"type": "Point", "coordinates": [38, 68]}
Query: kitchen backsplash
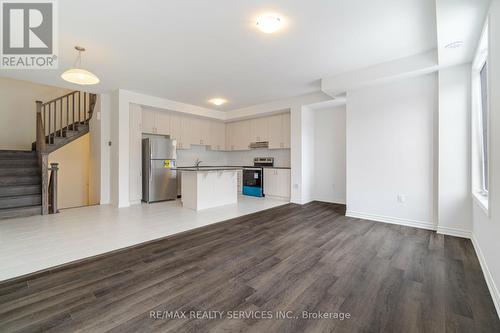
{"type": "Point", "coordinates": [281, 156]}
{"type": "Point", "coordinates": [238, 158]}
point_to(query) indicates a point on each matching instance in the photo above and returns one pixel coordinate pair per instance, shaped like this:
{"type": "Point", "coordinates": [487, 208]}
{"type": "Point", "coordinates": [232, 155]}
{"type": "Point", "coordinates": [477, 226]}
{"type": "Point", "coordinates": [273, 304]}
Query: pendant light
{"type": "Point", "coordinates": [77, 74]}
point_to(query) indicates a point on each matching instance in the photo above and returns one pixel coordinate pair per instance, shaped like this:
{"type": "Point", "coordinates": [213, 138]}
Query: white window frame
{"type": "Point", "coordinates": [479, 179]}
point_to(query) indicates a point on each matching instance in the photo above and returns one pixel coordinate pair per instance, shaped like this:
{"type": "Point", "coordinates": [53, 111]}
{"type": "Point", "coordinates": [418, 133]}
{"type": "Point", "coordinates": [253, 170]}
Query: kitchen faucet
{"type": "Point", "coordinates": [197, 162]}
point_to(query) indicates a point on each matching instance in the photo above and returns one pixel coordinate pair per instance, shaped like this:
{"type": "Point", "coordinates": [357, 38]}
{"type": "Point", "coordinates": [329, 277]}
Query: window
{"type": "Point", "coordinates": [484, 124]}
{"type": "Point", "coordinates": [480, 123]}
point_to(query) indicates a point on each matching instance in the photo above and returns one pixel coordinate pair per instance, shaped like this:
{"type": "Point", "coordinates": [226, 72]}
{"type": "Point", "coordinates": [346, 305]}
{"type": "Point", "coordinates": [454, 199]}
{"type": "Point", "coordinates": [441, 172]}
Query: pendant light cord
{"type": "Point", "coordinates": [78, 61]}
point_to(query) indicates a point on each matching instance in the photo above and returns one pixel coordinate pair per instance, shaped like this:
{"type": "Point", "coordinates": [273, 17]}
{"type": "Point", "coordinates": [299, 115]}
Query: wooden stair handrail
{"type": "Point", "coordinates": [75, 108]}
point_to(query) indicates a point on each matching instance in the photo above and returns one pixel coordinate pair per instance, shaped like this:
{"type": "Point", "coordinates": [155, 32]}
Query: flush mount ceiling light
{"type": "Point", "coordinates": [454, 45]}
{"type": "Point", "coordinates": [269, 23]}
{"type": "Point", "coordinates": [77, 74]}
{"type": "Point", "coordinates": [218, 101]}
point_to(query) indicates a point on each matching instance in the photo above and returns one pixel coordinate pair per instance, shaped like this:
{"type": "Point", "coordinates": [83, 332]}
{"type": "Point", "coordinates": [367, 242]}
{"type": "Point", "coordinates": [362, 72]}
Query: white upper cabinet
{"type": "Point", "coordinates": [241, 136]}
{"type": "Point", "coordinates": [259, 129]}
{"type": "Point", "coordinates": [204, 132]}
{"type": "Point", "coordinates": [189, 130]}
{"type": "Point", "coordinates": [279, 131]}
{"type": "Point", "coordinates": [148, 124]}
{"type": "Point", "coordinates": [163, 123]}
{"type": "Point", "coordinates": [188, 136]}
{"type": "Point", "coordinates": [275, 131]}
{"type": "Point", "coordinates": [197, 130]}
{"type": "Point", "coordinates": [155, 122]}
{"type": "Point", "coordinates": [238, 135]}
{"type": "Point", "coordinates": [176, 131]}
{"type": "Point", "coordinates": [217, 135]}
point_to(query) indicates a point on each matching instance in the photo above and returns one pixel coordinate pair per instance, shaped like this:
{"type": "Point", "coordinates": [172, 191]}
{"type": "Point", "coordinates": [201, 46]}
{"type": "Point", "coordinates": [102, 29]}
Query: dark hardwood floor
{"type": "Point", "coordinates": [311, 258]}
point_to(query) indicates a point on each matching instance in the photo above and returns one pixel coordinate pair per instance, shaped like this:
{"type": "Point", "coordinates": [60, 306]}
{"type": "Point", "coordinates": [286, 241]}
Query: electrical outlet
{"type": "Point", "coordinates": [401, 198]}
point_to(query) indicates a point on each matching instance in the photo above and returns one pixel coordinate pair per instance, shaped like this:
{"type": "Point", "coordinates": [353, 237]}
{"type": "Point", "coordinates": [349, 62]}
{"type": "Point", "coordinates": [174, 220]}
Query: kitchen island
{"type": "Point", "coordinates": [204, 188]}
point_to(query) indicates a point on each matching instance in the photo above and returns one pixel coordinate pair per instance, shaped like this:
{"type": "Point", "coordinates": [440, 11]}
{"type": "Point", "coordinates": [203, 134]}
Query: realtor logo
{"type": "Point", "coordinates": [29, 34]}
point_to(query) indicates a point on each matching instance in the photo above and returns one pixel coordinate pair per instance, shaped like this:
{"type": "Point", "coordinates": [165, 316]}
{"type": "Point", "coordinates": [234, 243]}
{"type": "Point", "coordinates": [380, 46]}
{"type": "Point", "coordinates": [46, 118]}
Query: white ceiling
{"type": "Point", "coordinates": [193, 50]}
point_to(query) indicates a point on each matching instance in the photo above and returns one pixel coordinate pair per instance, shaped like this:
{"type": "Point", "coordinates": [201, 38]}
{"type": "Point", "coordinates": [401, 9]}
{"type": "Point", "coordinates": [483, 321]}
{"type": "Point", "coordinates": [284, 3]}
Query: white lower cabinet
{"type": "Point", "coordinates": [277, 182]}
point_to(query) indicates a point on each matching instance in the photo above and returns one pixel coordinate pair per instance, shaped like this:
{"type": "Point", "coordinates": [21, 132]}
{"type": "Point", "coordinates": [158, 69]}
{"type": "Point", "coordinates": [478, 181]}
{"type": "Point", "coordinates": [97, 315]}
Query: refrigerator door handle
{"type": "Point", "coordinates": [150, 171]}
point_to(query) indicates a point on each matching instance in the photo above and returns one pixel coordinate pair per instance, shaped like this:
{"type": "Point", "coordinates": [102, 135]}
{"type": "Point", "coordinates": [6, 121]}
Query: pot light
{"type": "Point", "coordinates": [269, 23]}
{"type": "Point", "coordinates": [78, 75]}
{"type": "Point", "coordinates": [218, 101]}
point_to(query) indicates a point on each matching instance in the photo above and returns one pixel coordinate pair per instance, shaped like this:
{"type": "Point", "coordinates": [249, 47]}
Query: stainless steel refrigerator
{"type": "Point", "coordinates": [159, 177]}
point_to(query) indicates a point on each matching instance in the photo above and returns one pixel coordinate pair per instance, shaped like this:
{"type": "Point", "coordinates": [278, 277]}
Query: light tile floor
{"type": "Point", "coordinates": [35, 243]}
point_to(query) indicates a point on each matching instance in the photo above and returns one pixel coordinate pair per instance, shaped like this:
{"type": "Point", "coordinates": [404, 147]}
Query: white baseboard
{"type": "Point", "coordinates": [276, 197]}
{"type": "Point", "coordinates": [392, 220]}
{"type": "Point", "coordinates": [495, 294]}
{"type": "Point", "coordinates": [454, 232]}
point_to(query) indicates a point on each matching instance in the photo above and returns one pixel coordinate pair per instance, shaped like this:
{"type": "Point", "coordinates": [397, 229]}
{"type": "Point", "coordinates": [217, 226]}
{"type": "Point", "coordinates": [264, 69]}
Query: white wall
{"type": "Point", "coordinates": [390, 151]}
{"type": "Point", "coordinates": [454, 199]}
{"type": "Point", "coordinates": [18, 111]}
{"type": "Point", "coordinates": [308, 161]}
{"type": "Point", "coordinates": [105, 150]}
{"type": "Point", "coordinates": [95, 130]}
{"type": "Point", "coordinates": [486, 229]}
{"type": "Point", "coordinates": [73, 177]}
{"type": "Point", "coordinates": [330, 154]}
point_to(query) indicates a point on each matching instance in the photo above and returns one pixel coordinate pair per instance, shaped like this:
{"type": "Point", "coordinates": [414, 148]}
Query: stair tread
{"type": "Point", "coordinates": [20, 180]}
{"type": "Point", "coordinates": [15, 190]}
{"type": "Point", "coordinates": [24, 211]}
{"type": "Point", "coordinates": [20, 167]}
{"type": "Point", "coordinates": [19, 196]}
{"type": "Point", "coordinates": [20, 201]}
{"type": "Point", "coordinates": [17, 156]}
{"type": "Point", "coordinates": [20, 208]}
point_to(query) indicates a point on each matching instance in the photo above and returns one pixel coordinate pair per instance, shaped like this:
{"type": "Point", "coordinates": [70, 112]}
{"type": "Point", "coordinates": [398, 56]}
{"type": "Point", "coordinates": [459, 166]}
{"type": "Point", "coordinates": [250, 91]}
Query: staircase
{"type": "Point", "coordinates": [26, 186]}
{"type": "Point", "coordinates": [20, 184]}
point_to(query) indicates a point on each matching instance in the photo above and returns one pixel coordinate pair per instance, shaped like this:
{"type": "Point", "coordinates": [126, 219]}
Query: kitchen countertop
{"type": "Point", "coordinates": [222, 167]}
{"type": "Point", "coordinates": [207, 168]}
